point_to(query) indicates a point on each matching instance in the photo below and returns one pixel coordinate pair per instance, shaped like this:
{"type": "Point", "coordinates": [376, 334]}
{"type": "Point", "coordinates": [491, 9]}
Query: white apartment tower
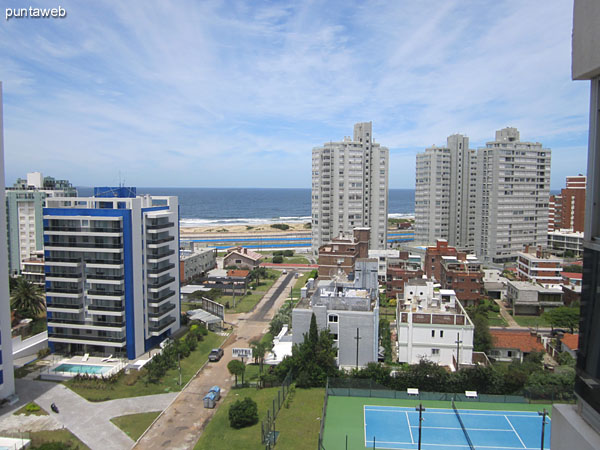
{"type": "Point", "coordinates": [445, 194]}
{"type": "Point", "coordinates": [112, 272]}
{"type": "Point", "coordinates": [7, 379]}
{"type": "Point", "coordinates": [350, 188]}
{"type": "Point", "coordinates": [513, 190]}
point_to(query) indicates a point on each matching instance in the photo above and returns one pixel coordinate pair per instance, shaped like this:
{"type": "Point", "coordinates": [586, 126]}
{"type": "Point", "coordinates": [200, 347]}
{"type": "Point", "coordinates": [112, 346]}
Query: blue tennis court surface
{"type": "Point", "coordinates": [398, 428]}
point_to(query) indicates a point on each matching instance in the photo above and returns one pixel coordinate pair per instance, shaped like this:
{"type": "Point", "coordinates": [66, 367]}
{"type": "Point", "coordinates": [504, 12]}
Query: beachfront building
{"type": "Point", "coordinates": [112, 272]}
{"type": "Point", "coordinates": [513, 188]}
{"type": "Point", "coordinates": [195, 264]}
{"type": "Point", "coordinates": [567, 210]}
{"type": "Point", "coordinates": [242, 258]}
{"type": "Point", "coordinates": [349, 310]}
{"type": "Point", "coordinates": [24, 203]}
{"type": "Point", "coordinates": [433, 325]}
{"type": "Point", "coordinates": [339, 256]}
{"type": "Point", "coordinates": [578, 426]}
{"type": "Point", "coordinates": [33, 269]}
{"type": "Point", "coordinates": [445, 194]}
{"type": "Point", "coordinates": [350, 188]}
{"type": "Point", "coordinates": [7, 378]}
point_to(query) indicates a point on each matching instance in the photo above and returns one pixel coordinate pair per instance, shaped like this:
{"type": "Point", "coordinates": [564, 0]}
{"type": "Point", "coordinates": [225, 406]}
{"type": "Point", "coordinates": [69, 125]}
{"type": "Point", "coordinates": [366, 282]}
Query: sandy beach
{"type": "Point", "coordinates": [242, 229]}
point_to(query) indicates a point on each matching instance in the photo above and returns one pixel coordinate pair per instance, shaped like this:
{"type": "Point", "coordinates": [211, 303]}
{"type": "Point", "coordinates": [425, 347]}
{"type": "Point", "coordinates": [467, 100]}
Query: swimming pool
{"type": "Point", "coordinates": [82, 368]}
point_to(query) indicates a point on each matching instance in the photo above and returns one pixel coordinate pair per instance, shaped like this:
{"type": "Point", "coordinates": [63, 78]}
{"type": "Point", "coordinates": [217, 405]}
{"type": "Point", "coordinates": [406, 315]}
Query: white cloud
{"type": "Point", "coordinates": [237, 94]}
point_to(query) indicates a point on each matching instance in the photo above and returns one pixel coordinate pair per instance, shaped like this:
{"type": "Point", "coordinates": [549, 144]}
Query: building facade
{"type": "Point", "coordinates": [433, 325]}
{"type": "Point", "coordinates": [195, 264]}
{"type": "Point", "coordinates": [242, 258]}
{"type": "Point", "coordinates": [399, 273]}
{"type": "Point", "coordinates": [350, 188]}
{"type": "Point", "coordinates": [7, 378]}
{"type": "Point", "coordinates": [567, 210]}
{"type": "Point", "coordinates": [112, 272]}
{"type": "Point", "coordinates": [566, 242]}
{"type": "Point", "coordinates": [578, 426]}
{"type": "Point", "coordinates": [341, 253]}
{"type": "Point", "coordinates": [512, 197]}
{"type": "Point", "coordinates": [539, 266]}
{"type": "Point", "coordinates": [24, 203]}
{"type": "Point", "coordinates": [532, 299]}
{"type": "Point", "coordinates": [350, 311]}
{"type": "Point", "coordinates": [445, 194]}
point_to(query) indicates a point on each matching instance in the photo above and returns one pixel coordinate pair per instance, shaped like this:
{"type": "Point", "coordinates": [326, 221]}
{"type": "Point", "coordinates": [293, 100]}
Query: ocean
{"type": "Point", "coordinates": [254, 206]}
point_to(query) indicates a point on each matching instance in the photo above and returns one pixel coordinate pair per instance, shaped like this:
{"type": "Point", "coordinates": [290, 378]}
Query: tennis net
{"type": "Point", "coordinates": [462, 425]}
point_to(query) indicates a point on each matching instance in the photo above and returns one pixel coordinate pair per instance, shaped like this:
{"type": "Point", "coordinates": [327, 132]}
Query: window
{"type": "Point", "coordinates": [333, 318]}
{"type": "Point", "coordinates": [335, 336]}
{"type": "Point", "coordinates": [435, 351]}
{"type": "Point", "coordinates": [441, 333]}
{"type": "Point", "coordinates": [432, 333]}
{"type": "Point", "coordinates": [509, 353]}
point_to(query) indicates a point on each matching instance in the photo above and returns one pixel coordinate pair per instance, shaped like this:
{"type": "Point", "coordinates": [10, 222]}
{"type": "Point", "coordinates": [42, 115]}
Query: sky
{"type": "Point", "coordinates": [237, 93]}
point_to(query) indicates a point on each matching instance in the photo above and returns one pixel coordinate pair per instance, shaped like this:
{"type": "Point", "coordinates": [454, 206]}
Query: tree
{"type": "Point", "coordinates": [313, 332]}
{"type": "Point", "coordinates": [27, 299]}
{"type": "Point", "coordinates": [482, 339]}
{"type": "Point", "coordinates": [573, 268]}
{"type": "Point", "coordinates": [236, 367]}
{"type": "Point", "coordinates": [277, 259]}
{"type": "Point", "coordinates": [259, 349]}
{"type": "Point", "coordinates": [257, 273]}
{"type": "Point", "coordinates": [243, 413]}
{"type": "Point", "coordinates": [563, 317]}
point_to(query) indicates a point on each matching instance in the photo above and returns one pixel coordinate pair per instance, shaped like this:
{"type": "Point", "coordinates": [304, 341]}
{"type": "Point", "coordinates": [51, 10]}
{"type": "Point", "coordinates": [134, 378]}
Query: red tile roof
{"type": "Point", "coordinates": [572, 275]}
{"type": "Point", "coordinates": [522, 340]}
{"type": "Point", "coordinates": [238, 273]}
{"type": "Point", "coordinates": [571, 341]}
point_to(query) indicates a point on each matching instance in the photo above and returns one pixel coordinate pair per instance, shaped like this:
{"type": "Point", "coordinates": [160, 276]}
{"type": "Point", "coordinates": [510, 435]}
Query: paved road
{"type": "Point", "coordinates": [89, 421]}
{"type": "Point", "coordinates": [181, 424]}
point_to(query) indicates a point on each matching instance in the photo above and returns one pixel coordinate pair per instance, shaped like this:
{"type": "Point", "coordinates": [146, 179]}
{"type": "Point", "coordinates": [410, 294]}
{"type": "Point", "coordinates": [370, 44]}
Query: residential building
{"type": "Point", "coordinates": [571, 294]}
{"type": "Point", "coordinates": [112, 272]}
{"type": "Point", "coordinates": [445, 194]}
{"type": "Point", "coordinates": [341, 253]}
{"type": "Point", "coordinates": [350, 311]}
{"type": "Point", "coordinates": [195, 264]}
{"type": "Point", "coordinates": [569, 343]}
{"type": "Point", "coordinates": [567, 210]}
{"type": "Point", "coordinates": [7, 379]}
{"type": "Point", "coordinates": [513, 188]}
{"type": "Point", "coordinates": [432, 264]}
{"type": "Point", "coordinates": [385, 258]}
{"type": "Point", "coordinates": [578, 426]}
{"type": "Point", "coordinates": [571, 278]}
{"type": "Point", "coordinates": [511, 345]}
{"type": "Point", "coordinates": [24, 203]}
{"type": "Point", "coordinates": [33, 269]}
{"type": "Point", "coordinates": [406, 268]}
{"type": "Point", "coordinates": [242, 258]}
{"type": "Point", "coordinates": [494, 284]}
{"type": "Point", "coordinates": [565, 242]}
{"type": "Point", "coordinates": [230, 282]}
{"type": "Point", "coordinates": [539, 266]}
{"type": "Point", "coordinates": [433, 325]}
{"type": "Point", "coordinates": [527, 298]}
{"type": "Point", "coordinates": [350, 188]}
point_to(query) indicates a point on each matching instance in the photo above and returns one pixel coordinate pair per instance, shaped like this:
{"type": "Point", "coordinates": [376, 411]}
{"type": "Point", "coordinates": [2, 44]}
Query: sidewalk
{"type": "Point", "coordinates": [512, 323]}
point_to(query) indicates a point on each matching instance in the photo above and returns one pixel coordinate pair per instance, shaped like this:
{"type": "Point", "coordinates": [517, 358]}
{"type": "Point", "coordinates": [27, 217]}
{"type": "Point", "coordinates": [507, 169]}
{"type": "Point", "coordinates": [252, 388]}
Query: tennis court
{"type": "Point", "coordinates": [391, 427]}
{"type": "Point", "coordinates": [352, 422]}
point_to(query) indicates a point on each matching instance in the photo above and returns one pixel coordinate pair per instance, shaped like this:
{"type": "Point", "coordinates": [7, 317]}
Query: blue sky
{"type": "Point", "coordinates": [228, 93]}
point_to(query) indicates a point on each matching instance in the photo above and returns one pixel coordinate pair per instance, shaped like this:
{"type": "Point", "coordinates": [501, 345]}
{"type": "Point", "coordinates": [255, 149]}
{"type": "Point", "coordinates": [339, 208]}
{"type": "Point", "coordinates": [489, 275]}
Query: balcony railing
{"type": "Point", "coordinates": [161, 254]}
{"type": "Point", "coordinates": [161, 311]}
{"type": "Point", "coordinates": [161, 283]}
{"type": "Point", "coordinates": [152, 299]}
{"type": "Point", "coordinates": [160, 269]}
{"type": "Point", "coordinates": [161, 241]}
{"type": "Point", "coordinates": [93, 307]}
{"type": "Point", "coordinates": [64, 305]}
{"type": "Point", "coordinates": [82, 245]}
{"type": "Point", "coordinates": [159, 225]}
{"type": "Point", "coordinates": [107, 293]}
{"type": "Point", "coordinates": [63, 275]}
{"type": "Point", "coordinates": [84, 229]}
{"type": "Point", "coordinates": [97, 276]}
{"type": "Point", "coordinates": [97, 323]}
{"type": "Point", "coordinates": [63, 290]}
{"type": "Point", "coordinates": [85, 337]}
{"type": "Point", "coordinates": [161, 325]}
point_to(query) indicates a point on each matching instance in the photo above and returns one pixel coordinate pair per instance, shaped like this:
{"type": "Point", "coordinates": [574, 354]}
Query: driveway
{"type": "Point", "coordinates": [179, 427]}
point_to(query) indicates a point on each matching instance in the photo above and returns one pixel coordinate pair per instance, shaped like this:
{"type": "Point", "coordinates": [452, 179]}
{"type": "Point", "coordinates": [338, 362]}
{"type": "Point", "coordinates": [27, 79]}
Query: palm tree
{"type": "Point", "coordinates": [27, 299]}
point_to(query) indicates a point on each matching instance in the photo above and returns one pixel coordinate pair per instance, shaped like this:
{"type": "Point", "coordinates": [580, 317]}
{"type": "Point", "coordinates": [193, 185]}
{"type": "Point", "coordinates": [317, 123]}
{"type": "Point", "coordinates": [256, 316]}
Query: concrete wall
{"type": "Point", "coordinates": [30, 346]}
{"type": "Point", "coordinates": [586, 40]}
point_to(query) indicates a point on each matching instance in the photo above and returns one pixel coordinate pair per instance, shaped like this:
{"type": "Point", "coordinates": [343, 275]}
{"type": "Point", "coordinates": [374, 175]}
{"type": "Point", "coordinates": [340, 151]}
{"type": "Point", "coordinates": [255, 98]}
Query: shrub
{"type": "Point", "coordinates": [288, 253]}
{"type": "Point", "coordinates": [43, 352]}
{"type": "Point", "coordinates": [278, 253]}
{"type": "Point", "coordinates": [32, 407]}
{"type": "Point", "coordinates": [281, 226]}
{"type": "Point", "coordinates": [243, 413]}
{"type": "Point", "coordinates": [277, 259]}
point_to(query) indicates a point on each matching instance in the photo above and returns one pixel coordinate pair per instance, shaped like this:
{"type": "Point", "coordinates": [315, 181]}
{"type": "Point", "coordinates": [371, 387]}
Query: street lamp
{"type": "Point", "coordinates": [543, 413]}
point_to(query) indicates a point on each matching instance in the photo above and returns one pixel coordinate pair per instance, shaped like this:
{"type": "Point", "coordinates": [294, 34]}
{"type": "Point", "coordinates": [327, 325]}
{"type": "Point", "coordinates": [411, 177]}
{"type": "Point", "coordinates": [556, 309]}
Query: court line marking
{"type": "Point", "coordinates": [412, 440]}
{"type": "Point", "coordinates": [494, 447]}
{"type": "Point", "coordinates": [511, 425]}
{"type": "Point", "coordinates": [491, 411]}
{"type": "Point", "coordinates": [527, 414]}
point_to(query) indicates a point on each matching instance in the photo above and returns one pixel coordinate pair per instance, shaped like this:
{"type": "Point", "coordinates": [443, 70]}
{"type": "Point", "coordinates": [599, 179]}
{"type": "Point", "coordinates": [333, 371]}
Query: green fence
{"type": "Point", "coordinates": [267, 426]}
{"type": "Point", "coordinates": [321, 447]}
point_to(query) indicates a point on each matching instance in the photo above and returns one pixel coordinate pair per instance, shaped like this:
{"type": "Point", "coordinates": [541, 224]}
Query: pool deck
{"type": "Point", "coordinates": [50, 373]}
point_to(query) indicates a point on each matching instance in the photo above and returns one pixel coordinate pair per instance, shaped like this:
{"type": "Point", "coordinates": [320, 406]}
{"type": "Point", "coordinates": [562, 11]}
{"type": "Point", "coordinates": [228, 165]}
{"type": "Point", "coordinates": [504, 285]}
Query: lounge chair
{"type": "Point", "coordinates": [85, 357]}
{"type": "Point", "coordinates": [107, 358]}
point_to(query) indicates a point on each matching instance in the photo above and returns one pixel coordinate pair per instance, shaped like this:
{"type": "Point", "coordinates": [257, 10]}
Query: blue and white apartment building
{"type": "Point", "coordinates": [7, 379]}
{"type": "Point", "coordinates": [112, 272]}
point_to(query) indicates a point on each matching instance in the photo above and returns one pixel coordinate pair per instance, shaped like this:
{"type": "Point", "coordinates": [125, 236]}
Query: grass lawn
{"type": "Point", "coordinates": [27, 369]}
{"type": "Point", "coordinates": [134, 425]}
{"type": "Point", "coordinates": [249, 301]}
{"type": "Point", "coordinates": [297, 425]}
{"type": "Point", "coordinates": [31, 409]}
{"type": "Point", "coordinates": [495, 319]}
{"type": "Point", "coordinates": [169, 383]}
{"type": "Point", "coordinates": [63, 436]}
{"type": "Point", "coordinates": [387, 312]}
{"type": "Point", "coordinates": [531, 321]}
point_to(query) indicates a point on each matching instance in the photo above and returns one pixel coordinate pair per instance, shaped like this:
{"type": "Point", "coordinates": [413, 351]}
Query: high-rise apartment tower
{"type": "Point", "coordinates": [512, 196]}
{"type": "Point", "coordinates": [445, 194]}
{"type": "Point", "coordinates": [350, 188]}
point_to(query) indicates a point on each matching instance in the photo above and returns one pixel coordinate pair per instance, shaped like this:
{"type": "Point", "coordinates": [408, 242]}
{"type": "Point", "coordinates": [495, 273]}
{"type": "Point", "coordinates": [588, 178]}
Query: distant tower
{"type": "Point", "coordinates": [350, 188]}
{"type": "Point", "coordinates": [513, 190]}
{"type": "Point", "coordinates": [7, 380]}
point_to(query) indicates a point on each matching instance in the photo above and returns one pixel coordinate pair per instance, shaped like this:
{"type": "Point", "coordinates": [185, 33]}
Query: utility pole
{"type": "Point", "coordinates": [420, 409]}
{"type": "Point", "coordinates": [543, 413]}
{"type": "Point", "coordinates": [358, 338]}
{"type": "Point", "coordinates": [458, 342]}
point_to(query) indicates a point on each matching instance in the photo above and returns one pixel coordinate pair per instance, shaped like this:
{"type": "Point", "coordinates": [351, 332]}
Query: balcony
{"type": "Point", "coordinates": [155, 300]}
{"type": "Point", "coordinates": [158, 226]}
{"type": "Point", "coordinates": [84, 229]}
{"type": "Point", "coordinates": [52, 321]}
{"type": "Point", "coordinates": [97, 276]}
{"type": "Point", "coordinates": [152, 241]}
{"type": "Point", "coordinates": [84, 337]}
{"type": "Point", "coordinates": [103, 308]}
{"type": "Point", "coordinates": [158, 328]}
{"type": "Point", "coordinates": [161, 312]}
{"type": "Point", "coordinates": [64, 290]}
{"type": "Point", "coordinates": [92, 245]}
{"type": "Point", "coordinates": [74, 308]}
{"type": "Point", "coordinates": [107, 294]}
{"type": "Point", "coordinates": [160, 255]}
{"type": "Point", "coordinates": [159, 284]}
{"type": "Point", "coordinates": [157, 270]}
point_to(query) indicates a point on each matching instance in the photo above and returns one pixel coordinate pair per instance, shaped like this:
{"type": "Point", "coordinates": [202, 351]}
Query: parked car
{"type": "Point", "coordinates": [215, 354]}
